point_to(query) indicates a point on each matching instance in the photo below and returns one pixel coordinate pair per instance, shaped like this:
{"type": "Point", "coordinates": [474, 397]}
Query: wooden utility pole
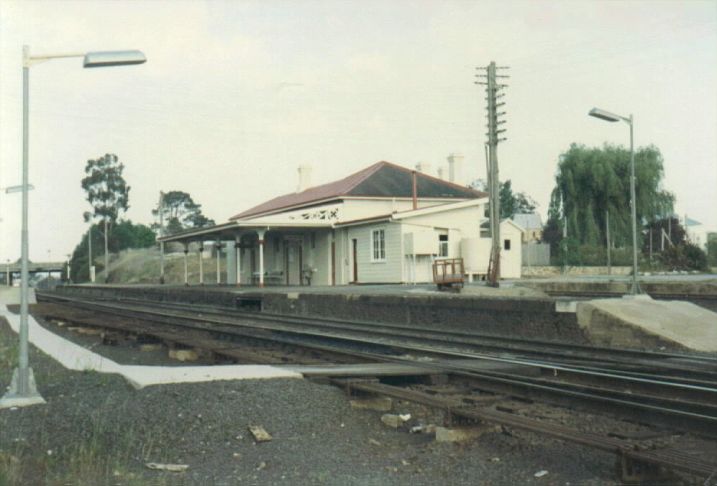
{"type": "Point", "coordinates": [493, 95]}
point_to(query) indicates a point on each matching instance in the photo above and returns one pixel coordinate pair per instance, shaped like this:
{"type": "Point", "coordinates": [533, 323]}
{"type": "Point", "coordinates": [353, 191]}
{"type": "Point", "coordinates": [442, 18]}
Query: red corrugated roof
{"type": "Point", "coordinates": [336, 189]}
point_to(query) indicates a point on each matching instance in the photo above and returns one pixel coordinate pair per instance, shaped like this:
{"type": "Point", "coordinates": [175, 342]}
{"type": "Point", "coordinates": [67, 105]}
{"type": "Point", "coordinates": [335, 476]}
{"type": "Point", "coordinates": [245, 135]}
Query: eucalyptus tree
{"type": "Point", "coordinates": [107, 192]}
{"type": "Point", "coordinates": [180, 212]}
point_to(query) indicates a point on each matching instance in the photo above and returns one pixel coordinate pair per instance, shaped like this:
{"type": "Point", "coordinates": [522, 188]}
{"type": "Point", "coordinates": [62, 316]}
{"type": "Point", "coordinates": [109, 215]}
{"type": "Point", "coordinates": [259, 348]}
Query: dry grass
{"type": "Point", "coordinates": [143, 267]}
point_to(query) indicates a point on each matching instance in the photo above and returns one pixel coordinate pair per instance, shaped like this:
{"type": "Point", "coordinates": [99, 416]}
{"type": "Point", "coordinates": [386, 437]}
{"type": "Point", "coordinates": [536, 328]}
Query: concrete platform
{"type": "Point", "coordinates": [75, 357]}
{"type": "Point", "coordinates": [646, 323]}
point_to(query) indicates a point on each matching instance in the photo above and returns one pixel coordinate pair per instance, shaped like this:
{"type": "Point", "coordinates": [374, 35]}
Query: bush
{"type": "Point", "coordinates": [684, 257]}
{"type": "Point", "coordinates": [712, 252]}
{"type": "Point", "coordinates": [591, 255]}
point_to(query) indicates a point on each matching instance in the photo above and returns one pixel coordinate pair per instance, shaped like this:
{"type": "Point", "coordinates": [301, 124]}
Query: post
{"type": "Point", "coordinates": [89, 256]}
{"type": "Point", "coordinates": [237, 248]}
{"type": "Point", "coordinates": [7, 274]}
{"type": "Point", "coordinates": [161, 233]}
{"type": "Point", "coordinates": [607, 238]}
{"type": "Point", "coordinates": [186, 269]}
{"type": "Point", "coordinates": [218, 247]}
{"type": "Point", "coordinates": [201, 264]}
{"type": "Point", "coordinates": [565, 242]}
{"type": "Point", "coordinates": [23, 372]}
{"type": "Point", "coordinates": [107, 255]}
{"type": "Point", "coordinates": [650, 246]}
{"type": "Point", "coordinates": [633, 203]}
{"type": "Point", "coordinates": [493, 178]}
{"type": "Point", "coordinates": [22, 388]}
{"type": "Point", "coordinates": [261, 233]}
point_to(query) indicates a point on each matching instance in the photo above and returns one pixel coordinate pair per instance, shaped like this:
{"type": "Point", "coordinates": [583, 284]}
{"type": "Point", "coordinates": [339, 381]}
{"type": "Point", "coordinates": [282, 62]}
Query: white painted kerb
{"type": "Point", "coordinates": [75, 357]}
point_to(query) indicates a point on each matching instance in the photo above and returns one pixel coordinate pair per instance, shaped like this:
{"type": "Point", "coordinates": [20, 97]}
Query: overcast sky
{"type": "Point", "coordinates": [235, 95]}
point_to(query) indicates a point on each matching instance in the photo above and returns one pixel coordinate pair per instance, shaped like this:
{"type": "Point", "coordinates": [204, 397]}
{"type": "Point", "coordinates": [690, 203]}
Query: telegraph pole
{"type": "Point", "coordinates": [493, 95]}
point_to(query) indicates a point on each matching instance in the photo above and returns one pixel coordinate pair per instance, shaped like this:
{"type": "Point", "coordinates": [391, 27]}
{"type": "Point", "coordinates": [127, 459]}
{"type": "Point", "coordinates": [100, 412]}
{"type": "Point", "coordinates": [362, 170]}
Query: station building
{"type": "Point", "coordinates": [383, 224]}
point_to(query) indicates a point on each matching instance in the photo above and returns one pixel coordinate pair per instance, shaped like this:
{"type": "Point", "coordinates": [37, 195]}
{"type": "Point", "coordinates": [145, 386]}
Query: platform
{"type": "Point", "coordinates": [644, 322]}
{"type": "Point", "coordinates": [75, 357]}
{"type": "Point", "coordinates": [408, 369]}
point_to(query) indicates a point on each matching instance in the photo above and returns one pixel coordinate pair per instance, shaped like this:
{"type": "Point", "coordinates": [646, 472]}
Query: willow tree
{"type": "Point", "coordinates": [592, 182]}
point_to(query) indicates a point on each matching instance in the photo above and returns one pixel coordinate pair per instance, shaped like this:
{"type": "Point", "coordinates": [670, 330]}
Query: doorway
{"type": "Point", "coordinates": [293, 262]}
{"type": "Point", "coordinates": [354, 260]}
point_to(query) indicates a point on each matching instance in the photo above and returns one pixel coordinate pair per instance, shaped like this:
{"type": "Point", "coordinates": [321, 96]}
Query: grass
{"type": "Point", "coordinates": [93, 451]}
{"type": "Point", "coordinates": [139, 266]}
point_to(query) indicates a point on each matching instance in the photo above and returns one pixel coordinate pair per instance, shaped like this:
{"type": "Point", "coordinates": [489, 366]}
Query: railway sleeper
{"type": "Point", "coordinates": [632, 471]}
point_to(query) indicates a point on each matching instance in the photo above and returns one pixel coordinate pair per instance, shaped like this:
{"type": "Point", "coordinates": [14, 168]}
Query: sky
{"type": "Point", "coordinates": [235, 95]}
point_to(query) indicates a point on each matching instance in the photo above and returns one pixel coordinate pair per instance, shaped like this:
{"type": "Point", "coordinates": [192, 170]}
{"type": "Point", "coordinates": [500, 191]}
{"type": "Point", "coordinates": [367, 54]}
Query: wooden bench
{"type": "Point", "coordinates": [274, 277]}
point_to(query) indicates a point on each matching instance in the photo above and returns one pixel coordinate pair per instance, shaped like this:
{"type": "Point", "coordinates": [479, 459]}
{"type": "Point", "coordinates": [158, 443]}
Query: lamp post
{"type": "Point", "coordinates": [22, 390]}
{"type": "Point", "coordinates": [612, 117]}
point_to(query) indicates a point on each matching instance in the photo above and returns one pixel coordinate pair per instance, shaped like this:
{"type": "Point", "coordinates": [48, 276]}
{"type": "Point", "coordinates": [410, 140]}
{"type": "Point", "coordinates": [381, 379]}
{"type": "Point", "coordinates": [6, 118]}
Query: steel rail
{"type": "Point", "coordinates": [552, 388]}
{"type": "Point", "coordinates": [441, 336]}
{"type": "Point", "coordinates": [672, 459]}
{"type": "Point", "coordinates": [664, 381]}
{"type": "Point", "coordinates": [598, 372]}
{"type": "Point", "coordinates": [618, 355]}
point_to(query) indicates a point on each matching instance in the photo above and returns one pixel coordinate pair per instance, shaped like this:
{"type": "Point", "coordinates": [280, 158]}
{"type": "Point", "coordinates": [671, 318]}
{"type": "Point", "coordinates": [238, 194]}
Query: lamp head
{"type": "Point", "coordinates": [605, 115]}
{"type": "Point", "coordinates": [113, 58]}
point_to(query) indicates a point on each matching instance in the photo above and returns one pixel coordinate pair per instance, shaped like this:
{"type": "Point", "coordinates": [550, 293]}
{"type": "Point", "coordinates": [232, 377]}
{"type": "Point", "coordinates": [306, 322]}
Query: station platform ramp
{"type": "Point", "coordinates": [639, 321]}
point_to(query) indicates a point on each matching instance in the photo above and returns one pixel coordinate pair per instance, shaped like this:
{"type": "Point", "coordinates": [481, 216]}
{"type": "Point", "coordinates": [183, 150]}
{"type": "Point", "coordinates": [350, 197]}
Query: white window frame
{"type": "Point", "coordinates": [443, 249]}
{"type": "Point", "coordinates": [378, 254]}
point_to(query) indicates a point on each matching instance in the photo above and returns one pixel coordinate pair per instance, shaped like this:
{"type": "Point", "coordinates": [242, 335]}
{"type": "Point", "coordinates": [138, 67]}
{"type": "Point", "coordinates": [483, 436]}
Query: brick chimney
{"type": "Point", "coordinates": [304, 178]}
{"type": "Point", "coordinates": [455, 168]}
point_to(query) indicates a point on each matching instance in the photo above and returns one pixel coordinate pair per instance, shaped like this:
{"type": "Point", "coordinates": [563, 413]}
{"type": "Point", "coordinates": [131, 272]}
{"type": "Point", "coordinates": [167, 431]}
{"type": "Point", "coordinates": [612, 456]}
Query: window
{"type": "Point", "coordinates": [442, 245]}
{"type": "Point", "coordinates": [378, 245]}
{"type": "Point", "coordinates": [506, 244]}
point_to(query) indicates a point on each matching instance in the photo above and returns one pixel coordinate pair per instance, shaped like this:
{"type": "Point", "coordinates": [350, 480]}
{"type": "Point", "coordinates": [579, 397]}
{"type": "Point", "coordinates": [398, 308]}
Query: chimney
{"type": "Point", "coordinates": [455, 168]}
{"type": "Point", "coordinates": [304, 178]}
{"type": "Point", "coordinates": [441, 175]}
{"type": "Point", "coordinates": [424, 167]}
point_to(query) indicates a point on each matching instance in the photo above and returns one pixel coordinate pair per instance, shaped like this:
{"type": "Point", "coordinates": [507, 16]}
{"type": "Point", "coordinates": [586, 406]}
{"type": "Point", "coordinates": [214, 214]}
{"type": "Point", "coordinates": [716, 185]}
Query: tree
{"type": "Point", "coordinates": [180, 212]}
{"type": "Point", "coordinates": [107, 191]}
{"type": "Point", "coordinates": [593, 181]}
{"type": "Point", "coordinates": [510, 203]}
{"type": "Point", "coordinates": [712, 249]}
{"type": "Point", "coordinates": [654, 229]}
{"type": "Point", "coordinates": [685, 256]}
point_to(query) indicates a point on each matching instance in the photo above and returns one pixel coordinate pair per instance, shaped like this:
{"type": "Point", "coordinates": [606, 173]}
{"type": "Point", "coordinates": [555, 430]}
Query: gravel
{"type": "Point", "coordinates": [96, 429]}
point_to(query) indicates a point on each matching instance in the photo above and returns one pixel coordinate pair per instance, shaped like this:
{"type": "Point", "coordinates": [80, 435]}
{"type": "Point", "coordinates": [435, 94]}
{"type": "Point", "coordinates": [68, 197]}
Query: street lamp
{"type": "Point", "coordinates": [612, 117]}
{"type": "Point", "coordinates": [22, 390]}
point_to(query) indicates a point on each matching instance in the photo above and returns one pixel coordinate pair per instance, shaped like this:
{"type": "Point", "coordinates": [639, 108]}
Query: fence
{"type": "Point", "coordinates": [536, 254]}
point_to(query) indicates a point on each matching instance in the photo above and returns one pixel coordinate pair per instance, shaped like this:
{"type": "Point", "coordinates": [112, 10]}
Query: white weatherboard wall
{"type": "Point", "coordinates": [388, 271]}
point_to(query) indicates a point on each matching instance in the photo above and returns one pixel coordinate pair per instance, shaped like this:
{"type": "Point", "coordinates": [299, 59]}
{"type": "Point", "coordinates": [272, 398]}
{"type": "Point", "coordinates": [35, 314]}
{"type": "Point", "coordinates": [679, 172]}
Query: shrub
{"type": "Point", "coordinates": [685, 256]}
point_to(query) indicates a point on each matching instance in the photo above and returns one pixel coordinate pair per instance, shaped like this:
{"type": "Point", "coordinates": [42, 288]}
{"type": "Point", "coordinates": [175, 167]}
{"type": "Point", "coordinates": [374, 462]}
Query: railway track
{"type": "Point", "coordinates": [673, 389]}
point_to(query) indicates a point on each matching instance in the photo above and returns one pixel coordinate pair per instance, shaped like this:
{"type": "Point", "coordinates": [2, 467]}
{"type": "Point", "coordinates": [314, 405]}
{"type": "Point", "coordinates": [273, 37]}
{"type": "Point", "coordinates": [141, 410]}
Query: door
{"type": "Point", "coordinates": [354, 259]}
{"type": "Point", "coordinates": [333, 263]}
{"type": "Point", "coordinates": [293, 262]}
